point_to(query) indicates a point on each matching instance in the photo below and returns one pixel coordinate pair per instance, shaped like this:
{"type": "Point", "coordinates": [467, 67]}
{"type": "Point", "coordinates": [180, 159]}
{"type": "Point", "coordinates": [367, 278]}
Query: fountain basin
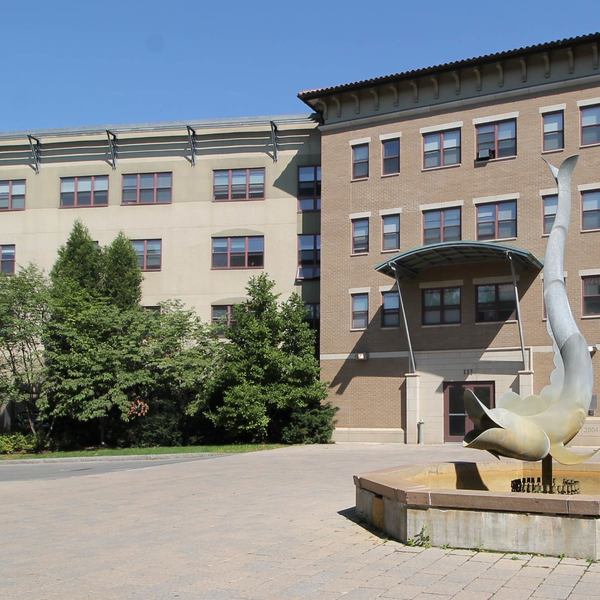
{"type": "Point", "coordinates": [470, 505]}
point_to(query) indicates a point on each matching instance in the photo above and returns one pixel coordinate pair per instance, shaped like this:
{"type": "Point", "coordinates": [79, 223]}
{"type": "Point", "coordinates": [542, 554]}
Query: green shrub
{"type": "Point", "coordinates": [313, 426]}
{"type": "Point", "coordinates": [14, 443]}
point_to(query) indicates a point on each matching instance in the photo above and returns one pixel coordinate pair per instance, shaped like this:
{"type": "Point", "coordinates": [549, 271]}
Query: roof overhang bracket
{"type": "Point", "coordinates": [36, 152]}
{"type": "Point", "coordinates": [192, 139]}
{"type": "Point", "coordinates": [274, 140]}
{"type": "Point", "coordinates": [112, 146]}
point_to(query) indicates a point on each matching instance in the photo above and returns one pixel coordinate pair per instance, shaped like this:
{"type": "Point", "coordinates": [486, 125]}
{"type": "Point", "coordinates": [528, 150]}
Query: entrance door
{"type": "Point", "coordinates": [456, 420]}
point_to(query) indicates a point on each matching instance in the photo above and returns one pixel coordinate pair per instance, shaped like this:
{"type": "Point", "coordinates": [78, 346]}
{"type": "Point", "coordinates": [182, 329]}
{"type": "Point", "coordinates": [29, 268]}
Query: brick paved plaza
{"type": "Point", "coordinates": [269, 525]}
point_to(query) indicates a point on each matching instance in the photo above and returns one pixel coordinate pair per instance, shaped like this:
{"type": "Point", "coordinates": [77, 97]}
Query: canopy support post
{"type": "Point", "coordinates": [411, 355]}
{"type": "Point", "coordinates": [518, 307]}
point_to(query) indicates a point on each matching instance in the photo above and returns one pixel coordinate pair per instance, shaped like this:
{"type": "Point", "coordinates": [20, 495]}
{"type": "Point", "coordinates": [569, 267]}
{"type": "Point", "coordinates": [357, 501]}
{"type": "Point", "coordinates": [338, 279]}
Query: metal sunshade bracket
{"type": "Point", "coordinates": [36, 150]}
{"type": "Point", "coordinates": [192, 139]}
{"type": "Point", "coordinates": [274, 131]}
{"type": "Point", "coordinates": [112, 144]}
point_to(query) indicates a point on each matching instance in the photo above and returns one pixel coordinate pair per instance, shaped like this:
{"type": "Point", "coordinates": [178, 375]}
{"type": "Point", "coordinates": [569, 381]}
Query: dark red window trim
{"type": "Point", "coordinates": [389, 159]}
{"type": "Point", "coordinates": [584, 296]}
{"type": "Point", "coordinates": [356, 249]}
{"type": "Point", "coordinates": [390, 313]}
{"type": "Point", "coordinates": [442, 150]}
{"type": "Point", "coordinates": [442, 226]}
{"type": "Point", "coordinates": [247, 255]}
{"type": "Point", "coordinates": [548, 135]}
{"type": "Point", "coordinates": [227, 320]}
{"type": "Point", "coordinates": [584, 212]}
{"type": "Point", "coordinates": [442, 307]}
{"type": "Point", "coordinates": [496, 125]}
{"type": "Point", "coordinates": [359, 314]}
{"type": "Point", "coordinates": [356, 163]}
{"type": "Point", "coordinates": [496, 305]}
{"type": "Point", "coordinates": [76, 191]}
{"type": "Point", "coordinates": [230, 185]}
{"type": "Point", "coordinates": [10, 183]}
{"type": "Point", "coordinates": [595, 128]}
{"type": "Point", "coordinates": [497, 221]}
{"type": "Point", "coordinates": [396, 234]}
{"type": "Point", "coordinates": [155, 188]}
{"type": "Point", "coordinates": [144, 265]}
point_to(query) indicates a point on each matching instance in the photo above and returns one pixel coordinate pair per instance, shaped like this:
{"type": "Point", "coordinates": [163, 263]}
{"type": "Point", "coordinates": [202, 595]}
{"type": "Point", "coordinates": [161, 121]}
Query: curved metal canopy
{"type": "Point", "coordinates": [412, 262]}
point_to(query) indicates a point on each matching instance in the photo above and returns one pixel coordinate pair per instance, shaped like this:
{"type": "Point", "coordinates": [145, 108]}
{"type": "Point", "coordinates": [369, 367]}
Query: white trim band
{"type": "Point", "coordinates": [549, 192]}
{"type": "Point", "coordinates": [444, 127]}
{"type": "Point", "coordinates": [387, 288]}
{"type": "Point", "coordinates": [586, 187]}
{"type": "Point", "coordinates": [498, 198]}
{"type": "Point", "coordinates": [361, 215]}
{"type": "Point", "coordinates": [494, 118]}
{"type": "Point", "coordinates": [390, 136]}
{"type": "Point", "coordinates": [390, 211]}
{"type": "Point", "coordinates": [363, 290]}
{"type": "Point", "coordinates": [588, 102]}
{"type": "Point", "coordinates": [589, 272]}
{"type": "Point", "coordinates": [553, 108]}
{"type": "Point", "coordinates": [366, 140]}
{"type": "Point", "coordinates": [436, 205]}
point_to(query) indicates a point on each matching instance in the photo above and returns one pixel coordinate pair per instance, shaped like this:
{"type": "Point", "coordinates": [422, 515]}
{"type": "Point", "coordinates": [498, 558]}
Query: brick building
{"type": "Point", "coordinates": [433, 179]}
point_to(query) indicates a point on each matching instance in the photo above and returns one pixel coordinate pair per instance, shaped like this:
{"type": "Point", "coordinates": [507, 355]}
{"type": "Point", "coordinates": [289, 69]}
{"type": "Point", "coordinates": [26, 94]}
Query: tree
{"type": "Point", "coordinates": [24, 310]}
{"type": "Point", "coordinates": [121, 276]}
{"type": "Point", "coordinates": [269, 385]}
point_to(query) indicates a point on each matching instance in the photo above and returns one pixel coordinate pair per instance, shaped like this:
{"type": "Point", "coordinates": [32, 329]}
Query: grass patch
{"type": "Point", "coordinates": [217, 449]}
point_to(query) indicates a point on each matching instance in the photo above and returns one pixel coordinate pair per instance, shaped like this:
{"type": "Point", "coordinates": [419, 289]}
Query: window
{"type": "Point", "coordinates": [591, 296]}
{"type": "Point", "coordinates": [222, 314]}
{"type": "Point", "coordinates": [360, 236]}
{"type": "Point", "coordinates": [391, 232]}
{"type": "Point", "coordinates": [239, 184]}
{"type": "Point", "coordinates": [390, 312]}
{"type": "Point", "coordinates": [441, 148]}
{"type": "Point", "coordinates": [149, 254]}
{"type": "Point", "coordinates": [12, 194]}
{"type": "Point", "coordinates": [494, 302]}
{"type": "Point", "coordinates": [7, 259]}
{"type": "Point", "coordinates": [590, 207]}
{"type": "Point", "coordinates": [360, 311]}
{"type": "Point", "coordinates": [390, 152]}
{"type": "Point", "coordinates": [147, 188]}
{"type": "Point", "coordinates": [497, 220]}
{"type": "Point", "coordinates": [499, 138]}
{"type": "Point", "coordinates": [554, 131]}
{"type": "Point", "coordinates": [590, 125]}
{"type": "Point", "coordinates": [309, 256]}
{"type": "Point", "coordinates": [238, 252]}
{"type": "Point", "coordinates": [360, 161]}
{"type": "Point", "coordinates": [441, 306]}
{"type": "Point", "coordinates": [313, 314]}
{"type": "Point", "coordinates": [441, 225]}
{"type": "Point", "coordinates": [84, 191]}
{"type": "Point", "coordinates": [309, 188]}
{"type": "Point", "coordinates": [550, 203]}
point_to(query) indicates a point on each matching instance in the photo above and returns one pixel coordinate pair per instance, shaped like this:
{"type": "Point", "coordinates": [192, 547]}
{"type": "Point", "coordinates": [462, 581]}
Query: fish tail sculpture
{"type": "Point", "coordinates": [540, 425]}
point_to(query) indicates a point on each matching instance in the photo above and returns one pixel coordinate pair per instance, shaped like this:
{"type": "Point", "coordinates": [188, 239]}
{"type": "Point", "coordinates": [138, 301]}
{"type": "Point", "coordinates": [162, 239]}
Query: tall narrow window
{"type": "Point", "coordinates": [239, 184]}
{"type": "Point", "coordinates": [76, 192]}
{"type": "Point", "coordinates": [360, 161]}
{"type": "Point", "coordinates": [590, 125]}
{"type": "Point", "coordinates": [390, 309]}
{"type": "Point", "coordinates": [309, 256]}
{"type": "Point", "coordinates": [360, 311]}
{"type": "Point", "coordinates": [390, 151]}
{"type": "Point", "coordinates": [590, 206]}
{"type": "Point", "coordinates": [441, 148]}
{"type": "Point", "coordinates": [554, 132]}
{"type": "Point", "coordinates": [497, 220]}
{"type": "Point", "coordinates": [441, 306]}
{"type": "Point", "coordinates": [441, 225]}
{"type": "Point", "coordinates": [494, 302]}
{"type": "Point", "coordinates": [360, 236]}
{"type": "Point", "coordinates": [313, 314]}
{"type": "Point", "coordinates": [550, 204]}
{"type": "Point", "coordinates": [309, 188]}
{"type": "Point", "coordinates": [147, 188]}
{"type": "Point", "coordinates": [149, 254]}
{"type": "Point", "coordinates": [7, 259]}
{"type": "Point", "coordinates": [497, 140]}
{"type": "Point", "coordinates": [12, 194]}
{"type": "Point", "coordinates": [591, 296]}
{"type": "Point", "coordinates": [391, 232]}
{"type": "Point", "coordinates": [238, 252]}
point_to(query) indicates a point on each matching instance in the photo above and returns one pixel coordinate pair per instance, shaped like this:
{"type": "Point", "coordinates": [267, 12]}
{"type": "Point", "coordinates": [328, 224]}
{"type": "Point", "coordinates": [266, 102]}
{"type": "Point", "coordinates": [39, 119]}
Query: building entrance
{"type": "Point", "coordinates": [456, 420]}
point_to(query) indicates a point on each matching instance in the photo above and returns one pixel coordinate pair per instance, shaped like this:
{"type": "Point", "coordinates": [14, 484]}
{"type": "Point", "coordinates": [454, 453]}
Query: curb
{"type": "Point", "coordinates": [119, 458]}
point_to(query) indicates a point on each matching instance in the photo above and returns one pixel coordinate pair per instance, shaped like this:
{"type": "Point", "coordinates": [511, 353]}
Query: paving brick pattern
{"type": "Point", "coordinates": [267, 526]}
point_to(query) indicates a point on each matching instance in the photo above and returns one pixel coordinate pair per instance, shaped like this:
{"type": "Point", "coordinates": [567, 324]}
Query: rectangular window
{"type": "Point", "coordinates": [149, 254]}
{"type": "Point", "coordinates": [441, 148]}
{"type": "Point", "coordinates": [390, 152]}
{"type": "Point", "coordinates": [591, 296]}
{"type": "Point", "coordinates": [7, 259]}
{"type": "Point", "coordinates": [238, 252]}
{"type": "Point", "coordinates": [494, 302]}
{"type": "Point", "coordinates": [554, 131]}
{"type": "Point", "coordinates": [78, 192]}
{"type": "Point", "coordinates": [313, 314]}
{"type": "Point", "coordinates": [497, 220]}
{"type": "Point", "coordinates": [441, 306]}
{"type": "Point", "coordinates": [360, 236]}
{"type": "Point", "coordinates": [441, 225]}
{"type": "Point", "coordinates": [390, 313]}
{"type": "Point", "coordinates": [590, 125]}
{"type": "Point", "coordinates": [12, 194]}
{"type": "Point", "coordinates": [147, 188]}
{"type": "Point", "coordinates": [239, 184]}
{"type": "Point", "coordinates": [222, 314]}
{"type": "Point", "coordinates": [500, 139]}
{"type": "Point", "coordinates": [309, 256]}
{"type": "Point", "coordinates": [309, 188]}
{"type": "Point", "coordinates": [590, 207]}
{"type": "Point", "coordinates": [550, 204]}
{"type": "Point", "coordinates": [391, 232]}
{"type": "Point", "coordinates": [360, 161]}
{"type": "Point", "coordinates": [360, 311]}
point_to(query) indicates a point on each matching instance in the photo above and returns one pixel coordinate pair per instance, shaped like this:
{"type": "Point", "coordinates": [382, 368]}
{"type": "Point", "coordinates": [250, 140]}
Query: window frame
{"type": "Point", "coordinates": [442, 151]}
{"type": "Point", "coordinates": [442, 306]}
{"type": "Point", "coordinates": [497, 221]}
{"type": "Point", "coordinates": [496, 124]}
{"type": "Point", "coordinates": [584, 314]}
{"type": "Point", "coordinates": [442, 226]}
{"type": "Point", "coordinates": [386, 312]}
{"type": "Point", "coordinates": [383, 234]}
{"type": "Point", "coordinates": [354, 312]}
{"type": "Point", "coordinates": [544, 198]}
{"type": "Point", "coordinates": [247, 197]}
{"type": "Point", "coordinates": [395, 157]}
{"type": "Point", "coordinates": [144, 266]}
{"type": "Point", "coordinates": [582, 109]}
{"type": "Point", "coordinates": [6, 261]}
{"type": "Point", "coordinates": [316, 255]}
{"type": "Point", "coordinates": [246, 239]}
{"type": "Point", "coordinates": [316, 196]}
{"type": "Point", "coordinates": [496, 303]}
{"type": "Point", "coordinates": [138, 189]}
{"type": "Point", "coordinates": [560, 112]}
{"type": "Point", "coordinates": [229, 320]}
{"type": "Point", "coordinates": [583, 212]}
{"type": "Point", "coordinates": [11, 183]}
{"type": "Point", "coordinates": [355, 162]}
{"type": "Point", "coordinates": [76, 179]}
{"type": "Point", "coordinates": [353, 237]}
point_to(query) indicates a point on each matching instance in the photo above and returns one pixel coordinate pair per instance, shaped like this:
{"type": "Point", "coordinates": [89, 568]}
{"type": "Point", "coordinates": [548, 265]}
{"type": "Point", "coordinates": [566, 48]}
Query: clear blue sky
{"type": "Point", "coordinates": [83, 62]}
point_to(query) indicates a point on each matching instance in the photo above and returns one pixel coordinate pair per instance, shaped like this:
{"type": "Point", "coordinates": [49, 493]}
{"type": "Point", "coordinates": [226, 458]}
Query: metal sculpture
{"type": "Point", "coordinates": [539, 426]}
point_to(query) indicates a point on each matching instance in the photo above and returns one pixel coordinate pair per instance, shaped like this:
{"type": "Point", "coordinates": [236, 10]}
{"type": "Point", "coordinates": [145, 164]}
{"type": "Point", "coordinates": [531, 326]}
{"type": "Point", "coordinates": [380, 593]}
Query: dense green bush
{"type": "Point", "coordinates": [15, 443]}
